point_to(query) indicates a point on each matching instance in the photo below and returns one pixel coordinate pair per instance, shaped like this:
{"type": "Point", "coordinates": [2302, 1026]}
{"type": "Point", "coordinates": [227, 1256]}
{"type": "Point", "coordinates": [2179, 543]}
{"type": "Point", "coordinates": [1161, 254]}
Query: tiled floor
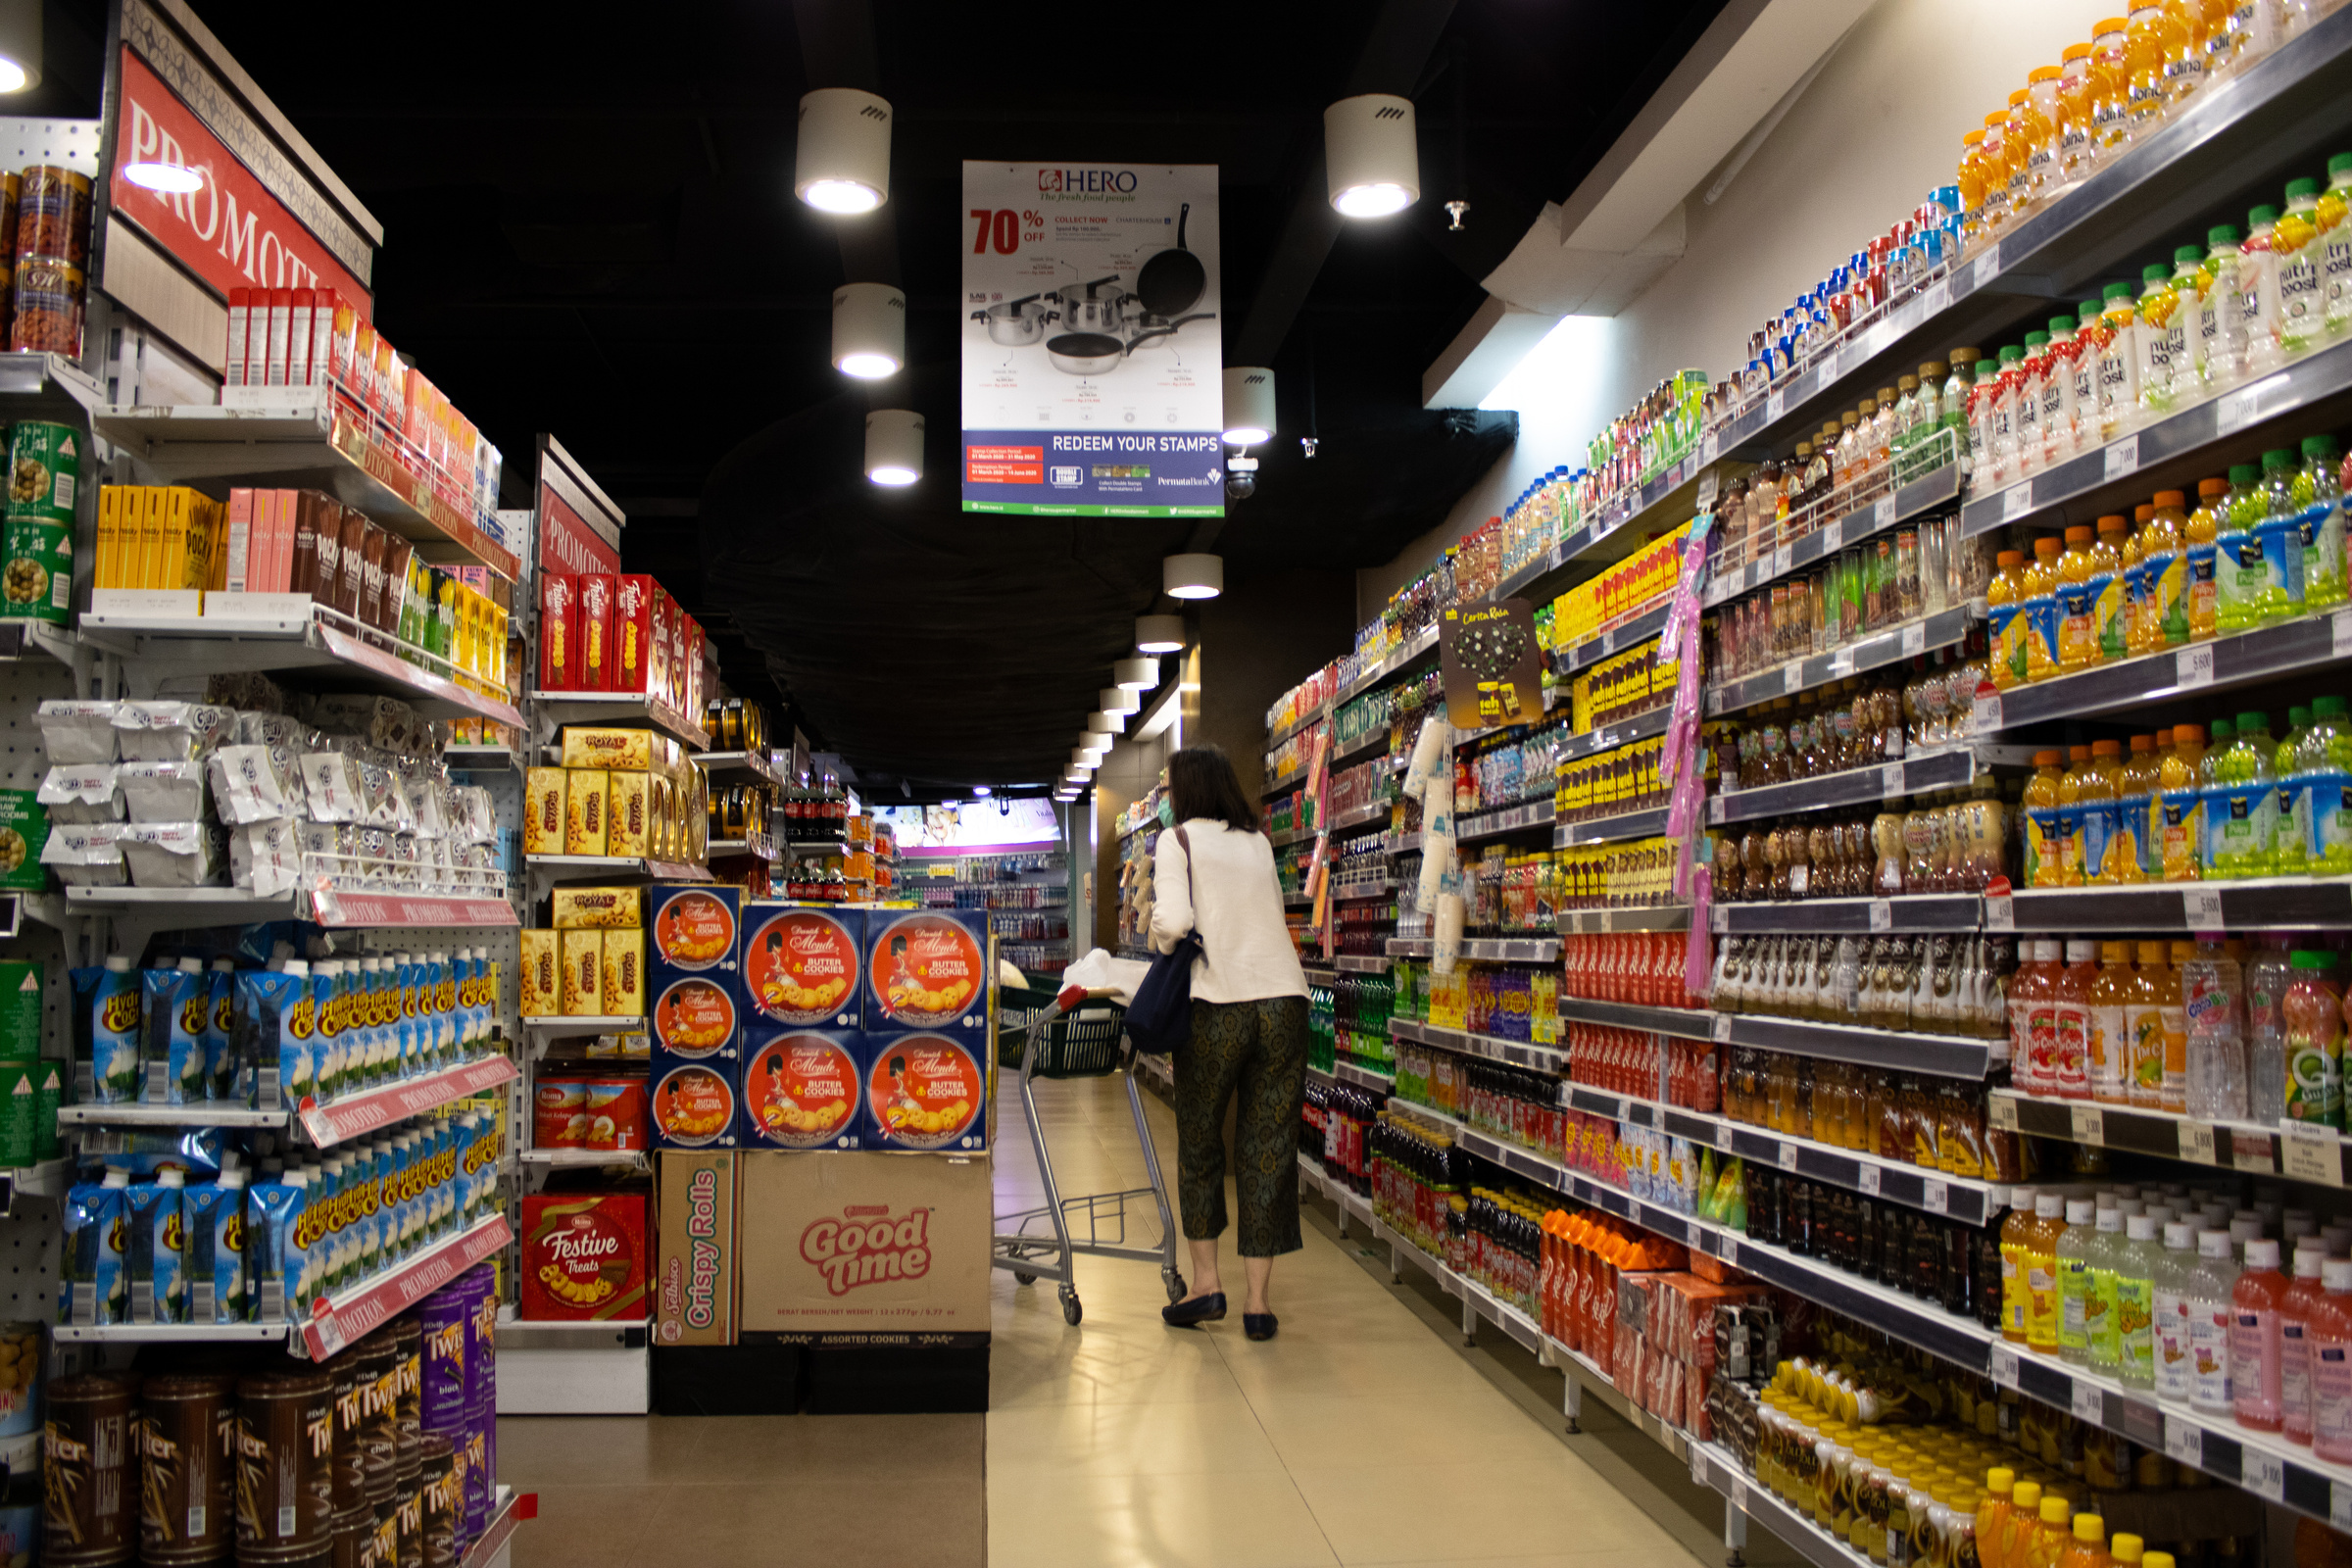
{"type": "Point", "coordinates": [1365, 1434]}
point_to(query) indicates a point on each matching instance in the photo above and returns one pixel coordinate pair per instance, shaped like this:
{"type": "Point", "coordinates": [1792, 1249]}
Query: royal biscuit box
{"type": "Point", "coordinates": [928, 969]}
{"type": "Point", "coordinates": [802, 1089]}
{"type": "Point", "coordinates": [804, 967]}
{"type": "Point", "coordinates": [695, 1014]}
{"type": "Point", "coordinates": [925, 1090]}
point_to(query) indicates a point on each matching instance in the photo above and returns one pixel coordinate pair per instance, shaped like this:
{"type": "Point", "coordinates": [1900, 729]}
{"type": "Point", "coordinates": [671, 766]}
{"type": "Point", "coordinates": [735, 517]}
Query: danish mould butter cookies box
{"type": "Point", "coordinates": [802, 1089]}
{"type": "Point", "coordinates": [928, 970]}
{"type": "Point", "coordinates": [696, 1266]}
{"type": "Point", "coordinates": [865, 1243]}
{"type": "Point", "coordinates": [925, 1091]}
{"type": "Point", "coordinates": [694, 992]}
{"type": "Point", "coordinates": [804, 967]}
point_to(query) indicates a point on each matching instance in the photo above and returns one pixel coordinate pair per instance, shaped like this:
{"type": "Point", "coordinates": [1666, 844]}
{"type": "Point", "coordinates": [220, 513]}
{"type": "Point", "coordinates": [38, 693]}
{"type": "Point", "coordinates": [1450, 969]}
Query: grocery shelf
{"type": "Point", "coordinates": [1319, 976]}
{"type": "Point", "coordinates": [1647, 824]}
{"type": "Point", "coordinates": [1941, 1055]}
{"type": "Point", "coordinates": [619, 1023]}
{"type": "Point", "coordinates": [623, 707]}
{"type": "Point", "coordinates": [2257, 903]}
{"type": "Point", "coordinates": [47, 386]}
{"type": "Point", "coordinates": [1892, 1180]}
{"type": "Point", "coordinates": [1857, 786]}
{"type": "Point", "coordinates": [1348, 1072]}
{"type": "Point", "coordinates": [568, 867]}
{"type": "Point", "coordinates": [199, 1113]}
{"type": "Point", "coordinates": [1640, 726]}
{"type": "Point", "coordinates": [2173, 452]}
{"type": "Point", "coordinates": [1349, 751]}
{"type": "Point", "coordinates": [238, 638]}
{"type": "Point", "coordinates": [1891, 645]}
{"type": "Point", "coordinates": [1405, 842]}
{"type": "Point", "coordinates": [334, 1324]}
{"type": "Point", "coordinates": [334, 908]}
{"type": "Point", "coordinates": [1440, 1120]}
{"type": "Point", "coordinates": [2113, 691]}
{"type": "Point", "coordinates": [1483, 949]}
{"type": "Point", "coordinates": [488, 1549]}
{"type": "Point", "coordinates": [1545, 1059]}
{"type": "Point", "coordinates": [1719, 1469]}
{"type": "Point", "coordinates": [1361, 816]}
{"type": "Point", "coordinates": [597, 1158]}
{"type": "Point", "coordinates": [1629, 633]}
{"type": "Point", "coordinates": [2264, 1463]}
{"type": "Point", "coordinates": [45, 908]}
{"type": "Point", "coordinates": [165, 1332]}
{"type": "Point", "coordinates": [1668, 499]}
{"type": "Point", "coordinates": [467, 754]}
{"type": "Point", "coordinates": [231, 906]}
{"type": "Point", "coordinates": [299, 443]}
{"type": "Point", "coordinates": [1421, 646]}
{"type": "Point", "coordinates": [1912, 911]}
{"type": "Point", "coordinates": [752, 762]}
{"type": "Point", "coordinates": [1297, 901]}
{"type": "Point", "coordinates": [1348, 1202]}
{"type": "Point", "coordinates": [353, 1115]}
{"type": "Point", "coordinates": [1662, 917]}
{"type": "Point", "coordinates": [1504, 819]}
{"type": "Point", "coordinates": [1359, 963]}
{"type": "Point", "coordinates": [756, 848]}
{"type": "Point", "coordinates": [1282, 782]}
{"type": "Point", "coordinates": [1319, 1076]}
{"type": "Point", "coordinates": [1684, 1023]}
{"type": "Point", "coordinates": [1313, 715]}
{"type": "Point", "coordinates": [1917, 498]}
{"type": "Point", "coordinates": [813, 845]}
{"type": "Point", "coordinates": [2304, 1153]}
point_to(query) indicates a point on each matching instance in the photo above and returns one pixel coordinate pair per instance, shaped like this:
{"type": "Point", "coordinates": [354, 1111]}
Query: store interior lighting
{"type": "Point", "coordinates": [869, 330]}
{"type": "Point", "coordinates": [1137, 674]}
{"type": "Point", "coordinates": [1095, 741]}
{"type": "Point", "coordinates": [1249, 405]}
{"type": "Point", "coordinates": [20, 50]}
{"type": "Point", "coordinates": [1159, 634]}
{"type": "Point", "coordinates": [1075, 774]}
{"type": "Point", "coordinates": [1101, 722]}
{"type": "Point", "coordinates": [167, 179]}
{"type": "Point", "coordinates": [1192, 576]}
{"type": "Point", "coordinates": [841, 160]}
{"type": "Point", "coordinates": [1370, 153]}
{"type": "Point", "coordinates": [982, 791]}
{"type": "Point", "coordinates": [1119, 699]}
{"type": "Point", "coordinates": [894, 447]}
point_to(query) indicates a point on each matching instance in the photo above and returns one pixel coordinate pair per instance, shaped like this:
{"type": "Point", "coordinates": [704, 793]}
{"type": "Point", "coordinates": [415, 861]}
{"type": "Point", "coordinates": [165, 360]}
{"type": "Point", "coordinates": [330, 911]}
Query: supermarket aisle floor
{"type": "Point", "coordinates": [1359, 1436]}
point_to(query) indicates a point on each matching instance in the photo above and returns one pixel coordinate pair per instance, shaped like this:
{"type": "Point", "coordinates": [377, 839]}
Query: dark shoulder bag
{"type": "Point", "coordinates": [1160, 1018]}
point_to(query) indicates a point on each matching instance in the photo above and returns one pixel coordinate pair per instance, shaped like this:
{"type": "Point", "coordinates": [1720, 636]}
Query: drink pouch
{"type": "Point", "coordinates": [91, 1288]}
{"type": "Point", "coordinates": [274, 1210]}
{"type": "Point", "coordinates": [176, 1003]}
{"type": "Point", "coordinates": [145, 1151]}
{"type": "Point", "coordinates": [284, 1032]}
{"type": "Point", "coordinates": [214, 1219]}
{"type": "Point", "coordinates": [114, 1034]}
{"type": "Point", "coordinates": [219, 1026]}
{"type": "Point", "coordinates": [152, 1260]}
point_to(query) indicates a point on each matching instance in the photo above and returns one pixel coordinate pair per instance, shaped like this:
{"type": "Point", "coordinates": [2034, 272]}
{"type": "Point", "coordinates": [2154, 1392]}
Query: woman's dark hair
{"type": "Point", "coordinates": [1202, 783]}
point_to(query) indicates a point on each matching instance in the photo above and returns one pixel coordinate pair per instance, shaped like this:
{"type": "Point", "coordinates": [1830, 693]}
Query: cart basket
{"type": "Point", "coordinates": [1083, 1043]}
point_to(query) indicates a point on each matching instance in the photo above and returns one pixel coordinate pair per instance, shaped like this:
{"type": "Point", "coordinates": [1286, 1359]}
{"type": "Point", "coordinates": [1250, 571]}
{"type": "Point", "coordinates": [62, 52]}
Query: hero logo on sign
{"type": "Point", "coordinates": [866, 1246]}
{"type": "Point", "coordinates": [1086, 181]}
{"type": "Point", "coordinates": [231, 233]}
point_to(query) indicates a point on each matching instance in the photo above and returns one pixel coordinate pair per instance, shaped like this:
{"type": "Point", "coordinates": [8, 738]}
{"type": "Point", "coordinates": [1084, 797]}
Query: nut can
{"type": "Point", "coordinates": [52, 214]}
{"type": "Point", "coordinates": [50, 296]}
{"type": "Point", "coordinates": [187, 1432]}
{"type": "Point", "coordinates": [285, 1467]}
{"type": "Point", "coordinates": [87, 1474]}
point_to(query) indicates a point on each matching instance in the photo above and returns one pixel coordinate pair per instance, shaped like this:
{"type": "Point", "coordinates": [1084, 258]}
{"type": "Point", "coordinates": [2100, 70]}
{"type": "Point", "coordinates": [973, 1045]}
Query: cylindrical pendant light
{"type": "Point", "coordinates": [1249, 405]}
{"type": "Point", "coordinates": [1371, 155]}
{"type": "Point", "coordinates": [841, 163]}
{"type": "Point", "coordinates": [869, 330]}
{"type": "Point", "coordinates": [1137, 674]}
{"type": "Point", "coordinates": [1119, 699]}
{"type": "Point", "coordinates": [1094, 740]}
{"type": "Point", "coordinates": [1080, 756]}
{"type": "Point", "coordinates": [1193, 576]}
{"type": "Point", "coordinates": [21, 54]}
{"type": "Point", "coordinates": [1075, 774]}
{"type": "Point", "coordinates": [1159, 634]}
{"type": "Point", "coordinates": [1106, 723]}
{"type": "Point", "coordinates": [893, 446]}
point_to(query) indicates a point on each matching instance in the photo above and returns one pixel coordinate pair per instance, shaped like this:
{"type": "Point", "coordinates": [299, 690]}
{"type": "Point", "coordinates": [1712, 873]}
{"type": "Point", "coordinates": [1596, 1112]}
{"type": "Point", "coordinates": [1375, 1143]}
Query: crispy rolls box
{"type": "Point", "coordinates": [584, 1256]}
{"type": "Point", "coordinates": [695, 1014]}
{"type": "Point", "coordinates": [695, 1275]}
{"type": "Point", "coordinates": [865, 1244]}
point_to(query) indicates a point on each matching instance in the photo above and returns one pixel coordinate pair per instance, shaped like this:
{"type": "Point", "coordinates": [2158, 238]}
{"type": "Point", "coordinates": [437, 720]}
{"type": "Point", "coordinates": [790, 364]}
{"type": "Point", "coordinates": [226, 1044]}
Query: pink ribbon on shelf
{"type": "Point", "coordinates": [1698, 958]}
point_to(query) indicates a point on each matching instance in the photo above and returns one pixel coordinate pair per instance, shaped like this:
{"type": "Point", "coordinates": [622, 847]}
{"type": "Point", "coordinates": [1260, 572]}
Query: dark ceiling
{"type": "Point", "coordinates": [589, 230]}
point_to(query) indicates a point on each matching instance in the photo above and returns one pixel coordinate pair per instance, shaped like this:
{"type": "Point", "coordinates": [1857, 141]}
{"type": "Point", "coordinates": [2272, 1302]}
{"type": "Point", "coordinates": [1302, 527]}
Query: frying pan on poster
{"type": "Point", "coordinates": [1015, 321]}
{"type": "Point", "coordinates": [1170, 282]}
{"type": "Point", "coordinates": [1099, 353]}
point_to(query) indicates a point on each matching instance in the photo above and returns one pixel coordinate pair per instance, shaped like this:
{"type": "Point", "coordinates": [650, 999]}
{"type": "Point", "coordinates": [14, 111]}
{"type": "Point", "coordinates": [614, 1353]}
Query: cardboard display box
{"type": "Point", "coordinates": [865, 1244]}
{"type": "Point", "coordinates": [695, 1277]}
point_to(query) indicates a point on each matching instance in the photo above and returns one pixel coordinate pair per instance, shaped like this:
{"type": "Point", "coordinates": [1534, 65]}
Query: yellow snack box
{"type": "Point", "coordinates": [624, 973]}
{"type": "Point", "coordinates": [599, 909]}
{"type": "Point", "coordinates": [593, 746]}
{"type": "Point", "coordinates": [583, 976]}
{"type": "Point", "coordinates": [629, 829]}
{"type": "Point", "coordinates": [541, 989]}
{"type": "Point", "coordinates": [587, 795]}
{"type": "Point", "coordinates": [543, 790]}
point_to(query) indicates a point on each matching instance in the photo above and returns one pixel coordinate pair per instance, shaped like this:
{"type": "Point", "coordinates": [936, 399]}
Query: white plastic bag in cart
{"type": "Point", "coordinates": [1098, 970]}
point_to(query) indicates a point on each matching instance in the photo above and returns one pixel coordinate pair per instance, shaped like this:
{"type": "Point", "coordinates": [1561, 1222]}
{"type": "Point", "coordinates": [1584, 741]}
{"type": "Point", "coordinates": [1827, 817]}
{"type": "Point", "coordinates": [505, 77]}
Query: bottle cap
{"type": "Point", "coordinates": [2220, 234]}
{"type": "Point", "coordinates": [2048, 547]}
{"type": "Point", "coordinates": [2213, 1244]}
{"type": "Point", "coordinates": [2116, 291]}
{"type": "Point", "coordinates": [2179, 1235]}
{"type": "Point", "coordinates": [2143, 744]}
{"type": "Point", "coordinates": [2080, 1211]}
{"type": "Point", "coordinates": [2000, 1478]}
{"type": "Point", "coordinates": [2294, 187]}
{"type": "Point", "coordinates": [2112, 1219]}
{"type": "Point", "coordinates": [2261, 1254]}
{"type": "Point", "coordinates": [2241, 474]}
{"type": "Point", "coordinates": [2335, 1274]}
{"type": "Point", "coordinates": [2027, 1495]}
{"type": "Point", "coordinates": [2062, 324]}
{"type": "Point", "coordinates": [2043, 758]}
{"type": "Point", "coordinates": [2313, 960]}
{"type": "Point", "coordinates": [2277, 460]}
{"type": "Point", "coordinates": [2155, 273]}
{"type": "Point", "coordinates": [2089, 1527]}
{"type": "Point", "coordinates": [2106, 748]}
{"type": "Point", "coordinates": [2056, 1510]}
{"type": "Point", "coordinates": [2260, 216]}
{"type": "Point", "coordinates": [2078, 535]}
{"type": "Point", "coordinates": [2188, 254]}
{"type": "Point", "coordinates": [2113, 521]}
{"type": "Point", "coordinates": [2340, 163]}
{"type": "Point", "coordinates": [2169, 499]}
{"type": "Point", "coordinates": [2310, 1258]}
{"type": "Point", "coordinates": [2125, 1547]}
{"type": "Point", "coordinates": [2010, 353]}
{"type": "Point", "coordinates": [2156, 1559]}
{"type": "Point", "coordinates": [2053, 1205]}
{"type": "Point", "coordinates": [2087, 310]}
{"type": "Point", "coordinates": [2010, 558]}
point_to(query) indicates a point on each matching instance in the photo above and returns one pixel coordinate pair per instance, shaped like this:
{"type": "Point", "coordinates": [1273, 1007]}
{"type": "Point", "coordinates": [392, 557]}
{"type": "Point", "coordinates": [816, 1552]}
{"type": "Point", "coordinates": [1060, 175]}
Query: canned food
{"type": "Point", "coordinates": [44, 471]}
{"type": "Point", "coordinates": [380, 1381]}
{"type": "Point", "coordinates": [88, 1478]}
{"type": "Point", "coordinates": [50, 295]}
{"type": "Point", "coordinates": [560, 1113]}
{"type": "Point", "coordinates": [285, 1477]}
{"type": "Point", "coordinates": [187, 1429]}
{"type": "Point", "coordinates": [36, 570]}
{"type": "Point", "coordinates": [52, 214]}
{"type": "Point", "coordinates": [442, 1495]}
{"type": "Point", "coordinates": [19, 1376]}
{"type": "Point", "coordinates": [350, 1471]}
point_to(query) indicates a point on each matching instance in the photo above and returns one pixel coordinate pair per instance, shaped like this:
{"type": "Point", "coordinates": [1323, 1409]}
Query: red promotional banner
{"type": "Point", "coordinates": [566, 543]}
{"type": "Point", "coordinates": [231, 233]}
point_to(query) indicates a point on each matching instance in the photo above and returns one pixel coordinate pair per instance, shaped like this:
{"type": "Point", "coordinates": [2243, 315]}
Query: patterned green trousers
{"type": "Point", "coordinates": [1259, 1048]}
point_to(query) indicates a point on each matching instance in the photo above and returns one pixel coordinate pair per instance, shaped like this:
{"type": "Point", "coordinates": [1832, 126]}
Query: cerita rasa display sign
{"type": "Point", "coordinates": [1492, 668]}
{"type": "Point", "coordinates": [1093, 380]}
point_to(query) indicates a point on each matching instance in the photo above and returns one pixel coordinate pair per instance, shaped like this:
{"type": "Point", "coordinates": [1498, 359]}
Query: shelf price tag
{"type": "Point", "coordinates": [2262, 1473]}
{"type": "Point", "coordinates": [2004, 1365]}
{"type": "Point", "coordinates": [1985, 713]}
{"type": "Point", "coordinates": [1882, 515]}
{"type": "Point", "coordinates": [1783, 558]}
{"type": "Point", "coordinates": [2000, 912]}
{"type": "Point", "coordinates": [2339, 633]}
{"type": "Point", "coordinates": [1882, 915]}
{"type": "Point", "coordinates": [2183, 1443]}
{"type": "Point", "coordinates": [1709, 450]}
{"type": "Point", "coordinates": [1915, 638]}
{"type": "Point", "coordinates": [1826, 371]}
{"type": "Point", "coordinates": [1792, 677]}
{"type": "Point", "coordinates": [1722, 1136]}
{"type": "Point", "coordinates": [2002, 1109]}
{"type": "Point", "coordinates": [2017, 501]}
{"type": "Point", "coordinates": [1787, 1156]}
{"type": "Point", "coordinates": [1722, 1027]}
{"type": "Point", "coordinates": [1699, 1465]}
{"type": "Point", "coordinates": [1933, 1196]}
{"type": "Point", "coordinates": [2123, 458]}
{"type": "Point", "coordinates": [2090, 1403]}
{"type": "Point", "coordinates": [2311, 1154]}
{"type": "Point", "coordinates": [2339, 1504]}
{"type": "Point", "coordinates": [2192, 666]}
{"type": "Point", "coordinates": [1866, 1178]}
{"type": "Point", "coordinates": [1695, 1234]}
{"type": "Point", "coordinates": [1988, 266]}
{"type": "Point", "coordinates": [1938, 298]}
{"type": "Point", "coordinates": [2086, 1123]}
{"type": "Point", "coordinates": [1890, 780]}
{"type": "Point", "coordinates": [2201, 909]}
{"type": "Point", "coordinates": [2196, 1141]}
{"type": "Point", "coordinates": [1775, 405]}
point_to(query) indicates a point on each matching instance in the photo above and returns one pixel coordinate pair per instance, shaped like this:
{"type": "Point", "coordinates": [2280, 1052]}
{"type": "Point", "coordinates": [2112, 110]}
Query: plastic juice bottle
{"type": "Point", "coordinates": [2050, 1542]}
{"type": "Point", "coordinates": [2168, 1005]}
{"type": "Point", "coordinates": [2313, 1011]}
{"type": "Point", "coordinates": [2221, 327]}
{"type": "Point", "coordinates": [2070, 1005]}
{"type": "Point", "coordinates": [2291, 847]}
{"type": "Point", "coordinates": [2069, 829]}
{"type": "Point", "coordinates": [2077, 157]}
{"type": "Point", "coordinates": [2127, 1550]}
{"type": "Point", "coordinates": [2024, 1523]}
{"type": "Point", "coordinates": [1969, 176]}
{"type": "Point", "coordinates": [2057, 421]}
{"type": "Point", "coordinates": [2110, 1033]}
{"type": "Point", "coordinates": [2243, 831]}
{"type": "Point", "coordinates": [2042, 1275]}
{"type": "Point", "coordinates": [2173, 1271]}
{"type": "Point", "coordinates": [2135, 1310]}
{"type": "Point", "coordinates": [2000, 431]}
{"type": "Point", "coordinates": [2254, 1343]}
{"type": "Point", "coordinates": [2213, 994]}
{"type": "Point", "coordinates": [2100, 1346]}
{"type": "Point", "coordinates": [2328, 1341]}
{"type": "Point", "coordinates": [2164, 617]}
{"type": "Point", "coordinates": [2258, 292]}
{"type": "Point", "coordinates": [2110, 619]}
{"type": "Point", "coordinates": [2034, 373]}
{"type": "Point", "coordinates": [2088, 1547]}
{"type": "Point", "coordinates": [2159, 320]}
{"type": "Point", "coordinates": [2031, 1024]}
{"type": "Point", "coordinates": [2119, 363]}
{"type": "Point", "coordinates": [2324, 760]}
{"type": "Point", "coordinates": [2318, 490]}
{"type": "Point", "coordinates": [2181, 798]}
{"type": "Point", "coordinates": [2111, 107]}
{"type": "Point", "coordinates": [2016, 1308]}
{"type": "Point", "coordinates": [2005, 617]}
{"type": "Point", "coordinates": [2045, 853]}
{"type": "Point", "coordinates": [2141, 859]}
{"type": "Point", "coordinates": [2279, 533]}
{"type": "Point", "coordinates": [2210, 1319]}
{"type": "Point", "coordinates": [2150, 37]}
{"type": "Point", "coordinates": [2268, 971]}
{"type": "Point", "coordinates": [2238, 550]}
{"type": "Point", "coordinates": [2038, 119]}
{"type": "Point", "coordinates": [1992, 1512]}
{"type": "Point", "coordinates": [2041, 609]}
{"type": "Point", "coordinates": [2143, 1030]}
{"type": "Point", "coordinates": [2077, 607]}
{"type": "Point", "coordinates": [2295, 1310]}
{"type": "Point", "coordinates": [2185, 343]}
{"type": "Point", "coordinates": [2101, 797]}
{"type": "Point", "coordinates": [2295, 243]}
{"type": "Point", "coordinates": [2093, 334]}
{"type": "Point", "coordinates": [2132, 575]}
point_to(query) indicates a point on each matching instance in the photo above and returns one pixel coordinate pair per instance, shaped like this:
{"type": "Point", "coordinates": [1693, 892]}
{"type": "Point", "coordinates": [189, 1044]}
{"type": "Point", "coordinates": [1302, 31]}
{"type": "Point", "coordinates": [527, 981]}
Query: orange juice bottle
{"type": "Point", "coordinates": [2175, 1095]}
{"type": "Point", "coordinates": [2071, 831]}
{"type": "Point", "coordinates": [2127, 1551]}
{"type": "Point", "coordinates": [2078, 82]}
{"type": "Point", "coordinates": [2024, 1523]}
{"type": "Point", "coordinates": [2047, 1546]}
{"type": "Point", "coordinates": [2201, 536]}
{"type": "Point", "coordinates": [2101, 793]}
{"type": "Point", "coordinates": [1992, 156]}
{"type": "Point", "coordinates": [2183, 803]}
{"type": "Point", "coordinates": [2041, 609]}
{"type": "Point", "coordinates": [2037, 120]}
{"type": "Point", "coordinates": [2041, 1308]}
{"type": "Point", "coordinates": [2015, 1311]}
{"type": "Point", "coordinates": [2016, 147]}
{"type": "Point", "coordinates": [2144, 1025]}
{"type": "Point", "coordinates": [2149, 37]}
{"type": "Point", "coordinates": [2111, 101]}
{"type": "Point", "coordinates": [1970, 177]}
{"type": "Point", "coordinates": [2046, 840]}
{"type": "Point", "coordinates": [2135, 789]}
{"type": "Point", "coordinates": [2088, 1547]}
{"type": "Point", "coordinates": [2117, 605]}
{"type": "Point", "coordinates": [2006, 621]}
{"type": "Point", "coordinates": [2164, 575]}
{"type": "Point", "coordinates": [2077, 611]}
{"type": "Point", "coordinates": [1992, 1514]}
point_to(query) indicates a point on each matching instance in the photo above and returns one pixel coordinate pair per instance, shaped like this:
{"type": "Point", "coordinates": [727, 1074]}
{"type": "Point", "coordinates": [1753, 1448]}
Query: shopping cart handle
{"type": "Point", "coordinates": [1072, 996]}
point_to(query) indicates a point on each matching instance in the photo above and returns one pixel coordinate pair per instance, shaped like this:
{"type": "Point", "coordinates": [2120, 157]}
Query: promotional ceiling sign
{"type": "Point", "coordinates": [1093, 383]}
{"type": "Point", "coordinates": [579, 526]}
{"type": "Point", "coordinates": [1491, 664]}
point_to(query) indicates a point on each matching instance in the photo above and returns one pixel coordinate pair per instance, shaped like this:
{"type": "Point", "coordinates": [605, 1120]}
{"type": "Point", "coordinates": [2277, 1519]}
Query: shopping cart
{"type": "Point", "coordinates": [1076, 1033]}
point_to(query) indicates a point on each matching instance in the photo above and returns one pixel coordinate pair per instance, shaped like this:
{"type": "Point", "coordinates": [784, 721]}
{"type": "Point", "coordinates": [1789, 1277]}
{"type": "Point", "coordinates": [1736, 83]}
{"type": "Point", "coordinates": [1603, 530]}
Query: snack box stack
{"type": "Point", "coordinates": [618, 632]}
{"type": "Point", "coordinates": [631, 793]}
{"type": "Point", "coordinates": [1675, 1361]}
{"type": "Point", "coordinates": [802, 1081]}
{"type": "Point", "coordinates": [697, 1020]}
{"type": "Point", "coordinates": [930, 1064]}
{"type": "Point", "coordinates": [593, 963]}
{"type": "Point", "coordinates": [584, 1253]}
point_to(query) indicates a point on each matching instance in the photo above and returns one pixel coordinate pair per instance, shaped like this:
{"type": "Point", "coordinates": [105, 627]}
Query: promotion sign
{"type": "Point", "coordinates": [1092, 385]}
{"type": "Point", "coordinates": [1491, 664]}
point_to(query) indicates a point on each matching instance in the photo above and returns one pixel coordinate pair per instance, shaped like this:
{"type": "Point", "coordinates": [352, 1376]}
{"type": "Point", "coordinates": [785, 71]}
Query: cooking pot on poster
{"type": "Point", "coordinates": [1017, 323]}
{"type": "Point", "coordinates": [1099, 353]}
{"type": "Point", "coordinates": [1096, 307]}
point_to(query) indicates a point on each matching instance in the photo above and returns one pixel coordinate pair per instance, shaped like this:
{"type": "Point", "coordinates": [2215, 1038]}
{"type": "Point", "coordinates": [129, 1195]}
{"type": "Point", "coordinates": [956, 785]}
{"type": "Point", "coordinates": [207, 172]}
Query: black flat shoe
{"type": "Point", "coordinates": [1260, 1325]}
{"type": "Point", "coordinates": [1200, 1310]}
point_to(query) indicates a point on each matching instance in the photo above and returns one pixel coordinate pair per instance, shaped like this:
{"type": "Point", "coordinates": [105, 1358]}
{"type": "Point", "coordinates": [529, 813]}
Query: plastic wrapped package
{"type": "Point", "coordinates": [265, 857]}
{"type": "Point", "coordinates": [86, 855]}
{"type": "Point", "coordinates": [171, 854]}
{"type": "Point", "coordinates": [429, 801]}
{"type": "Point", "coordinates": [259, 727]}
{"type": "Point", "coordinates": [331, 788]}
{"type": "Point", "coordinates": [166, 792]}
{"type": "Point", "coordinates": [384, 722]}
{"type": "Point", "coordinates": [81, 793]}
{"type": "Point", "coordinates": [255, 784]}
{"type": "Point", "coordinates": [170, 731]}
{"type": "Point", "coordinates": [76, 732]}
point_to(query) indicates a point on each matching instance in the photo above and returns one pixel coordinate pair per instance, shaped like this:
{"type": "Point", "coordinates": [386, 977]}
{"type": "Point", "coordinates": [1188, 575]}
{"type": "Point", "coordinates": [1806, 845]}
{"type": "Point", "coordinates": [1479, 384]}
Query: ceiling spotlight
{"type": "Point", "coordinates": [1137, 674]}
{"type": "Point", "coordinates": [1193, 576]}
{"type": "Point", "coordinates": [1119, 699]}
{"type": "Point", "coordinates": [1249, 405]}
{"type": "Point", "coordinates": [893, 446]}
{"type": "Point", "coordinates": [869, 330]}
{"type": "Point", "coordinates": [1159, 634]}
{"type": "Point", "coordinates": [1100, 723]}
{"type": "Point", "coordinates": [1094, 741]}
{"type": "Point", "coordinates": [1082, 757]}
{"type": "Point", "coordinates": [982, 791]}
{"type": "Point", "coordinates": [21, 47]}
{"type": "Point", "coordinates": [1074, 774]}
{"type": "Point", "coordinates": [168, 179]}
{"type": "Point", "coordinates": [841, 161]}
{"type": "Point", "coordinates": [1371, 155]}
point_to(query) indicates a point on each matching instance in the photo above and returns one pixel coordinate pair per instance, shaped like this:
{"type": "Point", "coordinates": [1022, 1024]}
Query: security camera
{"type": "Point", "coordinates": [1241, 478]}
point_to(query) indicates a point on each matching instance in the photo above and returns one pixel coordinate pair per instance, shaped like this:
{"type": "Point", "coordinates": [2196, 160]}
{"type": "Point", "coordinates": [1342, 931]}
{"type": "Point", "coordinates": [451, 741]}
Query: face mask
{"type": "Point", "coordinates": [1167, 813]}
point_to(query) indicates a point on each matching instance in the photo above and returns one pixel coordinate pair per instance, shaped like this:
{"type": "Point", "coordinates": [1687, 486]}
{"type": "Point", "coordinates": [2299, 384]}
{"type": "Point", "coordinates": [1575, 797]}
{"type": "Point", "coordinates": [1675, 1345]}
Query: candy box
{"type": "Point", "coordinates": [696, 1266]}
{"type": "Point", "coordinates": [928, 970]}
{"type": "Point", "coordinates": [865, 1244]}
{"type": "Point", "coordinates": [801, 1089]}
{"type": "Point", "coordinates": [543, 790]}
{"type": "Point", "coordinates": [604, 747]}
{"type": "Point", "coordinates": [576, 907]}
{"type": "Point", "coordinates": [584, 1256]}
{"type": "Point", "coordinates": [587, 797]}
